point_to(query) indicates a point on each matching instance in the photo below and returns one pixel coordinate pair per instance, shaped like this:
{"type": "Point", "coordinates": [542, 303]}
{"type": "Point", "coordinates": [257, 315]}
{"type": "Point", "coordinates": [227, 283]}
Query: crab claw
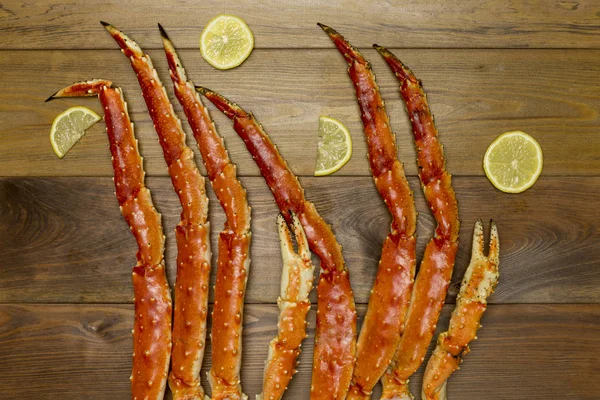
{"type": "Point", "coordinates": [478, 284]}
{"type": "Point", "coordinates": [293, 302]}
{"type": "Point", "coordinates": [297, 276]}
{"type": "Point", "coordinates": [482, 274]}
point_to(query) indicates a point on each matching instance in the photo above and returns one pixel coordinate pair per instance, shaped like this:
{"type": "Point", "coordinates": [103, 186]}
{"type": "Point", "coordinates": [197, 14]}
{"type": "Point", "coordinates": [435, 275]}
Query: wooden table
{"type": "Point", "coordinates": [488, 67]}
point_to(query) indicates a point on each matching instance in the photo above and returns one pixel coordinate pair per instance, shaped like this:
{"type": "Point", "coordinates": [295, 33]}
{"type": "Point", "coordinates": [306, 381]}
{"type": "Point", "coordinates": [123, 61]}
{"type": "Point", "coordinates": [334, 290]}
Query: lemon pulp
{"type": "Point", "coordinates": [69, 127]}
{"type": "Point", "coordinates": [334, 148]}
{"type": "Point", "coordinates": [513, 162]}
{"type": "Point", "coordinates": [226, 41]}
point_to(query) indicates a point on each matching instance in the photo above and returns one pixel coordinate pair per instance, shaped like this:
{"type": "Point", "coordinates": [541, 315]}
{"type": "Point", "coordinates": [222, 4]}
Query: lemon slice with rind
{"type": "Point", "coordinates": [69, 127]}
{"type": "Point", "coordinates": [513, 162]}
{"type": "Point", "coordinates": [226, 41]}
{"type": "Point", "coordinates": [334, 148]}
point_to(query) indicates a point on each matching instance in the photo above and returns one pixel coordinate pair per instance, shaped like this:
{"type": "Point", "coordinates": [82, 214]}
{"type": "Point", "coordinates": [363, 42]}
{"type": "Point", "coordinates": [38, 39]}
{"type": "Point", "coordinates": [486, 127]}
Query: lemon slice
{"type": "Point", "coordinates": [226, 41]}
{"type": "Point", "coordinates": [334, 148]}
{"type": "Point", "coordinates": [513, 162]}
{"type": "Point", "coordinates": [69, 127]}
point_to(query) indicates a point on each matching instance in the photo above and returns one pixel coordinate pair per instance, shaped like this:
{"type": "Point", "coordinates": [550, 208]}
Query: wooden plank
{"type": "Point", "coordinates": [559, 24]}
{"type": "Point", "coordinates": [83, 351]}
{"type": "Point", "coordinates": [62, 240]}
{"type": "Point", "coordinates": [474, 94]}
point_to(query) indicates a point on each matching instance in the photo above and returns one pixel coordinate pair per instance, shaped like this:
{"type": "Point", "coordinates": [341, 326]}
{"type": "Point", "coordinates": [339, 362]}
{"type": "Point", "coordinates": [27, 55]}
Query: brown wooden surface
{"type": "Point", "coordinates": [474, 94]}
{"type": "Point", "coordinates": [84, 351]}
{"type": "Point", "coordinates": [68, 234]}
{"type": "Point", "coordinates": [291, 24]}
{"type": "Point", "coordinates": [488, 67]}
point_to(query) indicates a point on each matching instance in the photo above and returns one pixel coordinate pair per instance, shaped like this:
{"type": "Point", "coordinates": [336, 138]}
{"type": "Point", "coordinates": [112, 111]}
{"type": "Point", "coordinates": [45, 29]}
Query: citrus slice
{"type": "Point", "coordinates": [334, 148]}
{"type": "Point", "coordinates": [513, 162]}
{"type": "Point", "coordinates": [226, 41]}
{"type": "Point", "coordinates": [69, 127]}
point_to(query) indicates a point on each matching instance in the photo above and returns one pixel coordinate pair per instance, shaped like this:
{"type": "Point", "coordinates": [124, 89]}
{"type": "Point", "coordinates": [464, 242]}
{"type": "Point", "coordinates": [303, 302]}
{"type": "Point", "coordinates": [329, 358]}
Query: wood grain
{"type": "Point", "coordinates": [62, 240]}
{"type": "Point", "coordinates": [471, 23]}
{"type": "Point", "coordinates": [474, 94]}
{"type": "Point", "coordinates": [60, 351]}
{"type": "Point", "coordinates": [488, 67]}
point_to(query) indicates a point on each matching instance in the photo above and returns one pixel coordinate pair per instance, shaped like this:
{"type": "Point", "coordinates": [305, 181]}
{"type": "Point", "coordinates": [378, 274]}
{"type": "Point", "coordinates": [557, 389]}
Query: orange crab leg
{"type": "Point", "coordinates": [478, 284]}
{"type": "Point", "coordinates": [335, 340]}
{"type": "Point", "coordinates": [390, 296]}
{"type": "Point", "coordinates": [192, 232]}
{"type": "Point", "coordinates": [234, 240]}
{"type": "Point", "coordinates": [436, 268]}
{"type": "Point", "coordinates": [293, 302]}
{"type": "Point", "coordinates": [152, 302]}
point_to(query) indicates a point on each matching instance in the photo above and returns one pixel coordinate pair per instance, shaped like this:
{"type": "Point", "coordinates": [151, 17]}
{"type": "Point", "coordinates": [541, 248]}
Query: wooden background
{"type": "Point", "coordinates": [488, 67]}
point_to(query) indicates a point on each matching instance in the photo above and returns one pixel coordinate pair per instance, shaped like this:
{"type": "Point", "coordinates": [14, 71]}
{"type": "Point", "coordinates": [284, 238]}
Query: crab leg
{"type": "Point", "coordinates": [436, 268]}
{"type": "Point", "coordinates": [383, 323]}
{"type": "Point", "coordinates": [234, 240]}
{"type": "Point", "coordinates": [192, 232]}
{"type": "Point", "coordinates": [335, 336]}
{"type": "Point", "coordinates": [478, 284]}
{"type": "Point", "coordinates": [293, 302]}
{"type": "Point", "coordinates": [152, 302]}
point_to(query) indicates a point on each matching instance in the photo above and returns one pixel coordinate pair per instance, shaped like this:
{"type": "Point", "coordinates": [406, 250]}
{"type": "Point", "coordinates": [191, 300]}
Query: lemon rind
{"type": "Point", "coordinates": [534, 177]}
{"type": "Point", "coordinates": [59, 117]}
{"type": "Point", "coordinates": [346, 158]}
{"type": "Point", "coordinates": [237, 62]}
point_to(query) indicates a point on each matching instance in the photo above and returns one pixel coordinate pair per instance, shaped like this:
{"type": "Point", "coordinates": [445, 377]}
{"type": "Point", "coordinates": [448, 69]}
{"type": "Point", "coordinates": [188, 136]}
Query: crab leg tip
{"type": "Point", "coordinates": [229, 108]}
{"type": "Point", "coordinates": [332, 33]}
{"type": "Point", "coordinates": [51, 97]}
{"type": "Point", "coordinates": [385, 53]}
{"type": "Point", "coordinates": [381, 50]}
{"type": "Point", "coordinates": [350, 53]}
{"type": "Point", "coordinates": [110, 28]}
{"type": "Point", "coordinates": [163, 33]}
{"type": "Point", "coordinates": [329, 30]}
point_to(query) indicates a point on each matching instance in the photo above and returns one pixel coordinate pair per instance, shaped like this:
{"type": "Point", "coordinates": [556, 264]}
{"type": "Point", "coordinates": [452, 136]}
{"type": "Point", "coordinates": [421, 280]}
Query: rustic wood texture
{"type": "Point", "coordinates": [487, 67]}
{"type": "Point", "coordinates": [474, 94]}
{"type": "Point", "coordinates": [285, 24]}
{"type": "Point", "coordinates": [84, 351]}
{"type": "Point", "coordinates": [67, 234]}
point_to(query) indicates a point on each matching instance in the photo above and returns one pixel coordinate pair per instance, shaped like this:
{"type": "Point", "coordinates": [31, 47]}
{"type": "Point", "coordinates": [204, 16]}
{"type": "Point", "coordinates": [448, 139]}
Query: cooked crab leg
{"type": "Point", "coordinates": [335, 336]}
{"type": "Point", "coordinates": [234, 240]}
{"type": "Point", "coordinates": [478, 284]}
{"type": "Point", "coordinates": [436, 268]}
{"type": "Point", "coordinates": [383, 323]}
{"type": "Point", "coordinates": [152, 301]}
{"type": "Point", "coordinates": [192, 232]}
{"type": "Point", "coordinates": [293, 302]}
